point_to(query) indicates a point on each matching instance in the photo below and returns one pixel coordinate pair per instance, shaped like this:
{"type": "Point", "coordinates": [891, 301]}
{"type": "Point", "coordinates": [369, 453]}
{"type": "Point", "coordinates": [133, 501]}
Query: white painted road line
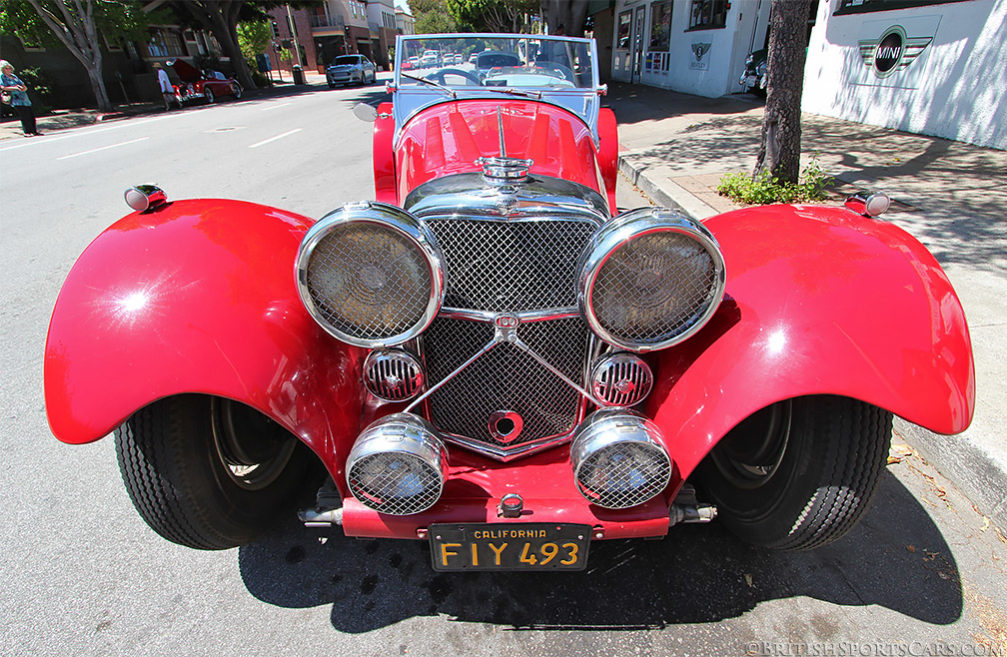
{"type": "Point", "coordinates": [285, 134]}
{"type": "Point", "coordinates": [103, 148]}
{"type": "Point", "coordinates": [83, 130]}
{"type": "Point", "coordinates": [272, 107]}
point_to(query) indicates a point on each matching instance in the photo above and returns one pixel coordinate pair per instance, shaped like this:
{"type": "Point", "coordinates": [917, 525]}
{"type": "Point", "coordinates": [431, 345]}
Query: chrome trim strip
{"type": "Point", "coordinates": [489, 317]}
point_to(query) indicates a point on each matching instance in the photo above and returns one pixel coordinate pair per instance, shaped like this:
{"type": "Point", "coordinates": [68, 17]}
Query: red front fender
{"type": "Point", "coordinates": [819, 301]}
{"type": "Point", "coordinates": [197, 296]}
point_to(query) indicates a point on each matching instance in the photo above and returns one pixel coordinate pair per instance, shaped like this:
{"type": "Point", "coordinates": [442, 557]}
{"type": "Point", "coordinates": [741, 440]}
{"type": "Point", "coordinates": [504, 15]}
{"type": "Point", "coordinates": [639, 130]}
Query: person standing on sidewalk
{"type": "Point", "coordinates": [19, 100]}
{"type": "Point", "coordinates": [167, 91]}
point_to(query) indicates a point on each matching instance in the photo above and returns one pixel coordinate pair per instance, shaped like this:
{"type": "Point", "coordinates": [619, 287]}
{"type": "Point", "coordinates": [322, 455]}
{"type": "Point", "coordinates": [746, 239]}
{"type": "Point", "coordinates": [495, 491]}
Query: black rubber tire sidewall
{"type": "Point", "coordinates": [178, 484]}
{"type": "Point", "coordinates": [826, 480]}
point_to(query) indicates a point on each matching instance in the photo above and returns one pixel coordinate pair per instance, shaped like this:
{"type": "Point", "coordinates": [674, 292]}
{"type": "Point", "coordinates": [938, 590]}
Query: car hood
{"type": "Point", "coordinates": [186, 72]}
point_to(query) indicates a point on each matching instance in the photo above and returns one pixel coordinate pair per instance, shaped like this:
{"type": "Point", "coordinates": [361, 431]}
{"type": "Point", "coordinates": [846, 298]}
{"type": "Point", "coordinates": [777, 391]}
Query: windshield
{"type": "Point", "coordinates": [510, 61]}
{"type": "Point", "coordinates": [346, 60]}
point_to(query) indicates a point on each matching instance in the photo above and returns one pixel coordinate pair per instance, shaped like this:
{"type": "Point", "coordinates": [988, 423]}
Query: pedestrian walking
{"type": "Point", "coordinates": [167, 91]}
{"type": "Point", "coordinates": [18, 93]}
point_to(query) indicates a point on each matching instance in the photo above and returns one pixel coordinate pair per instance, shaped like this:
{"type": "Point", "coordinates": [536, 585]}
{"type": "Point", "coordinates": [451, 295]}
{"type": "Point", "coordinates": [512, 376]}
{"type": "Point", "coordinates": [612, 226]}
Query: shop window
{"type": "Point", "coordinates": [660, 26]}
{"type": "Point", "coordinates": [867, 6]}
{"type": "Point", "coordinates": [708, 14]}
{"type": "Point", "coordinates": [625, 20]}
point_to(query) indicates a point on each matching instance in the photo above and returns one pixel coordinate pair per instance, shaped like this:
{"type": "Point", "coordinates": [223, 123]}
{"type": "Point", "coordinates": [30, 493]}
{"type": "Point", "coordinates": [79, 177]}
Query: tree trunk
{"type": "Point", "coordinates": [98, 86]}
{"type": "Point", "coordinates": [566, 17]}
{"type": "Point", "coordinates": [780, 152]}
{"type": "Point", "coordinates": [221, 18]}
{"type": "Point", "coordinates": [77, 31]}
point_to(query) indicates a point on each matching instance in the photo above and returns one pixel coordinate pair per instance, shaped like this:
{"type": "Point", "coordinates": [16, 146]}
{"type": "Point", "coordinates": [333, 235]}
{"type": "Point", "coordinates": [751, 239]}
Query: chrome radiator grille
{"type": "Point", "coordinates": [511, 266]}
{"type": "Point", "coordinates": [505, 378]}
{"type": "Point", "coordinates": [502, 266]}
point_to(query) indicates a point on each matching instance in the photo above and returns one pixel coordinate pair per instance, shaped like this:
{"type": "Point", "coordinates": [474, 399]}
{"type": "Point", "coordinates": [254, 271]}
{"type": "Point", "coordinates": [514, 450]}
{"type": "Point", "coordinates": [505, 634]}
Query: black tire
{"type": "Point", "coordinates": [798, 474]}
{"type": "Point", "coordinates": [332, 85]}
{"type": "Point", "coordinates": [208, 95]}
{"type": "Point", "coordinates": [236, 90]}
{"type": "Point", "coordinates": [208, 473]}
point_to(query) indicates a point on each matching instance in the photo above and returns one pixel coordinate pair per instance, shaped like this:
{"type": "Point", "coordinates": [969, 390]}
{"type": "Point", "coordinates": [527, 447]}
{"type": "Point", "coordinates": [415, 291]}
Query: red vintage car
{"type": "Point", "coordinates": [199, 86]}
{"type": "Point", "coordinates": [488, 357]}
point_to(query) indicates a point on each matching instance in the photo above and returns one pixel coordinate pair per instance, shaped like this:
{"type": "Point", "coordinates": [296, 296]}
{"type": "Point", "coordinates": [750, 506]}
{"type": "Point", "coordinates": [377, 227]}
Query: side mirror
{"type": "Point", "coordinates": [365, 112]}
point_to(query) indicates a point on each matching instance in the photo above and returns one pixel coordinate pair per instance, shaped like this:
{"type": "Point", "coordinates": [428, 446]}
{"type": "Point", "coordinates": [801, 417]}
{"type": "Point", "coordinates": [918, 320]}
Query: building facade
{"type": "Point", "coordinates": [693, 46]}
{"type": "Point", "coordinates": [936, 69]}
{"type": "Point", "coordinates": [343, 27]}
{"type": "Point", "coordinates": [404, 22]}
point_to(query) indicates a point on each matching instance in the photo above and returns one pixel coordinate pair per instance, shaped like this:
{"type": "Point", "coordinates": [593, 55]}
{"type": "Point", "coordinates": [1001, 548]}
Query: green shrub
{"type": "Point", "coordinates": [39, 89]}
{"type": "Point", "coordinates": [764, 188]}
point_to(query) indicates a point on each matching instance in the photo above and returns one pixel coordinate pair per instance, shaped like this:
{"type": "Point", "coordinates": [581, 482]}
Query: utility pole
{"type": "Point", "coordinates": [293, 35]}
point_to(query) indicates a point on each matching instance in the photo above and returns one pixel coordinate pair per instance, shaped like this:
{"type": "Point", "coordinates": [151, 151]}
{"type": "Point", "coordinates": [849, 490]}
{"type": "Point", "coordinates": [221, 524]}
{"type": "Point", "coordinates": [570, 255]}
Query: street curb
{"type": "Point", "coordinates": [971, 470]}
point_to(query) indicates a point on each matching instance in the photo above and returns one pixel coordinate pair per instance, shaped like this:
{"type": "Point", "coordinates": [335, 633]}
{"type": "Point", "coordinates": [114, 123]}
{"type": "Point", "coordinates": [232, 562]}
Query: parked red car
{"type": "Point", "coordinates": [199, 86]}
{"type": "Point", "coordinates": [489, 357]}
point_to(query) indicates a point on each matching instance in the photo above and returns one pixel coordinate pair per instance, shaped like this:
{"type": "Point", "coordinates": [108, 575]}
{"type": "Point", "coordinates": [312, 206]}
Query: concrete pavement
{"type": "Point", "coordinates": [951, 196]}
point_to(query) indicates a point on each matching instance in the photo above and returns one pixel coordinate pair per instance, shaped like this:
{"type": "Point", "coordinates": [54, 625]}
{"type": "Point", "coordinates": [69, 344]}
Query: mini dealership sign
{"type": "Point", "coordinates": [893, 52]}
{"type": "Point", "coordinates": [890, 52]}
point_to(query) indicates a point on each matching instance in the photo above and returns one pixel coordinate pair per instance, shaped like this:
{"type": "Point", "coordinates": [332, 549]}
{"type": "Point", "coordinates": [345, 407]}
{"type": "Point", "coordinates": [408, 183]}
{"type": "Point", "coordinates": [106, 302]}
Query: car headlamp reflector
{"type": "Point", "coordinates": [398, 465]}
{"type": "Point", "coordinates": [370, 274]}
{"type": "Point", "coordinates": [650, 279]}
{"type": "Point", "coordinates": [618, 460]}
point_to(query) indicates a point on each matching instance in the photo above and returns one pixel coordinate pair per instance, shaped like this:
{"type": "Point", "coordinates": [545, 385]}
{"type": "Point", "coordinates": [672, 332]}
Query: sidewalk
{"type": "Point", "coordinates": [951, 196]}
{"type": "Point", "coordinates": [63, 119]}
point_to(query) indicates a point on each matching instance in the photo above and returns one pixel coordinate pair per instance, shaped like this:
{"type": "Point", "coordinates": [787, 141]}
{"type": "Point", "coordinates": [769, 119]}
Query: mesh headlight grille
{"type": "Point", "coordinates": [370, 275]}
{"type": "Point", "coordinates": [623, 475]}
{"type": "Point", "coordinates": [651, 280]}
{"type": "Point", "coordinates": [395, 483]}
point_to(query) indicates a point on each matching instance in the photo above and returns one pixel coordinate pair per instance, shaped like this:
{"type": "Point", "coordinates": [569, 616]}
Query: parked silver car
{"type": "Point", "coordinates": [350, 69]}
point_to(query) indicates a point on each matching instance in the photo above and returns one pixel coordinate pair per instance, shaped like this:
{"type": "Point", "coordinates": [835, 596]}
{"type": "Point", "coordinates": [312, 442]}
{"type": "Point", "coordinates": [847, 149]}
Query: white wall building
{"type": "Point", "coordinates": [935, 69]}
{"type": "Point", "coordinates": [693, 46]}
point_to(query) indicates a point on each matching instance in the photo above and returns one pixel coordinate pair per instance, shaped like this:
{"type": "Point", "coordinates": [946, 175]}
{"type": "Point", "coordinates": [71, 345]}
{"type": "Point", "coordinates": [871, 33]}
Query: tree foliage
{"type": "Point", "coordinates": [491, 15]}
{"type": "Point", "coordinates": [432, 17]}
{"type": "Point", "coordinates": [254, 38]}
{"type": "Point", "coordinates": [780, 151]}
{"type": "Point", "coordinates": [78, 25]}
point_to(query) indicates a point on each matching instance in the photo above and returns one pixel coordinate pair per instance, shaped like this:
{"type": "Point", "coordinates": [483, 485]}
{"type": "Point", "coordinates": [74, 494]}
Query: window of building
{"type": "Point", "coordinates": [165, 43]}
{"type": "Point", "coordinates": [708, 14]}
{"type": "Point", "coordinates": [625, 19]}
{"type": "Point", "coordinates": [660, 26]}
{"type": "Point", "coordinates": [867, 6]}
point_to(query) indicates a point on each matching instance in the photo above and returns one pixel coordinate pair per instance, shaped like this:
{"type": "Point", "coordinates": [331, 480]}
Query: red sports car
{"type": "Point", "coordinates": [487, 356]}
{"type": "Point", "coordinates": [197, 85]}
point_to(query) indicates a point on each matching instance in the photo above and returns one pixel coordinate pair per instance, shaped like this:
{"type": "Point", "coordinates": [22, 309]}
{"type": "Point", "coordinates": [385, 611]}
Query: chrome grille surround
{"type": "Point", "coordinates": [398, 465]}
{"type": "Point", "coordinates": [509, 340]}
{"type": "Point", "coordinates": [651, 279]}
{"type": "Point", "coordinates": [619, 460]}
{"type": "Point", "coordinates": [370, 274]}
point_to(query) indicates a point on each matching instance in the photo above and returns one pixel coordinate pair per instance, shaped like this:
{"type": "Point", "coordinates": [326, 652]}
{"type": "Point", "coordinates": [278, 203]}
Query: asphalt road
{"type": "Point", "coordinates": [81, 574]}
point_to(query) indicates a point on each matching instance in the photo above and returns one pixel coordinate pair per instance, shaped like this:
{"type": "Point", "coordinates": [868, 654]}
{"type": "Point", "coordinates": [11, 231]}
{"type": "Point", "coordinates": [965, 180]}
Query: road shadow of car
{"type": "Point", "coordinates": [698, 574]}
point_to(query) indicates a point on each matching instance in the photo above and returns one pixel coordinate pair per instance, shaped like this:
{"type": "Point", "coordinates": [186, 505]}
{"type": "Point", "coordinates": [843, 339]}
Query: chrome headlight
{"type": "Point", "coordinates": [370, 274]}
{"type": "Point", "coordinates": [618, 460]}
{"type": "Point", "coordinates": [650, 279]}
{"type": "Point", "coordinates": [398, 465]}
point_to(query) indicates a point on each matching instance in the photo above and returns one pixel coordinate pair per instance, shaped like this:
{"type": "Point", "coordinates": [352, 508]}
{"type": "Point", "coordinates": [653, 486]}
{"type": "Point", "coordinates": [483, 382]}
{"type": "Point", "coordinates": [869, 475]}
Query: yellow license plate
{"type": "Point", "coordinates": [509, 546]}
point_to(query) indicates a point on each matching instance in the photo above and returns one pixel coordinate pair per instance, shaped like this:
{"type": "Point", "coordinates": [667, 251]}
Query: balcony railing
{"type": "Point", "coordinates": [322, 21]}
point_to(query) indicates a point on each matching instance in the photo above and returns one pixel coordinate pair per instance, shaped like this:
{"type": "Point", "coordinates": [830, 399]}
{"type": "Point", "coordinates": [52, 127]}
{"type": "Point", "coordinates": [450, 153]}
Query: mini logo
{"type": "Point", "coordinates": [893, 52]}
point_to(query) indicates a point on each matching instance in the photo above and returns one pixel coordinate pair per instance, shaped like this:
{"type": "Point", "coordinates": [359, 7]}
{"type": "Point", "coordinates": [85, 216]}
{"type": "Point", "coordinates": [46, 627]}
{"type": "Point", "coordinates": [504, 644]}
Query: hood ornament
{"type": "Point", "coordinates": [504, 170]}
